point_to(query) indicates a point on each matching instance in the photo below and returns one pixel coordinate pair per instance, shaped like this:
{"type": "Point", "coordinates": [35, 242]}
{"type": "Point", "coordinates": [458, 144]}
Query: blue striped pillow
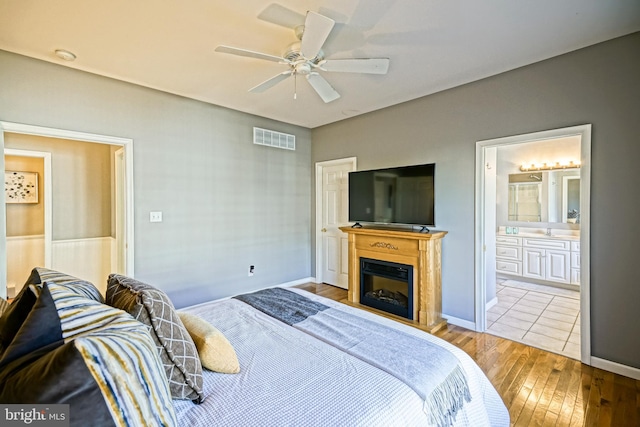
{"type": "Point", "coordinates": [106, 365]}
{"type": "Point", "coordinates": [81, 287]}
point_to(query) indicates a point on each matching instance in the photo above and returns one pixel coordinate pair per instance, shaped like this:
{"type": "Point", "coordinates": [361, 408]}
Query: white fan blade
{"type": "Point", "coordinates": [367, 66]}
{"type": "Point", "coordinates": [250, 54]}
{"type": "Point", "coordinates": [280, 15]}
{"type": "Point", "coordinates": [316, 30]}
{"type": "Point", "coordinates": [322, 87]}
{"type": "Point", "coordinates": [268, 84]}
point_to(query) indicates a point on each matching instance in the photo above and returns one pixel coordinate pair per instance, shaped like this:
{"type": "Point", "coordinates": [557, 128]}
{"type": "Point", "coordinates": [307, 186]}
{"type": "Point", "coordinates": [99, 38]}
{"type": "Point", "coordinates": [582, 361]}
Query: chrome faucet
{"type": "Point", "coordinates": [548, 232]}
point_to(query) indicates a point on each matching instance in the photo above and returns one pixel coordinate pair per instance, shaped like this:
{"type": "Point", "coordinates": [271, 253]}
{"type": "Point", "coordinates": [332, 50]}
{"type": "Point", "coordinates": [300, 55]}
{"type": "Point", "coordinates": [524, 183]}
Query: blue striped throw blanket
{"type": "Point", "coordinates": [431, 371]}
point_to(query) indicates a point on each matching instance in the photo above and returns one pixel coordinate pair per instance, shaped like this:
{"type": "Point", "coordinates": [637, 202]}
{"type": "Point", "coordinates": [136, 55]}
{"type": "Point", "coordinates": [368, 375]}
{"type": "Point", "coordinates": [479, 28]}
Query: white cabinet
{"type": "Point", "coordinates": [547, 264]}
{"type": "Point", "coordinates": [546, 259]}
{"type": "Point", "coordinates": [509, 255]}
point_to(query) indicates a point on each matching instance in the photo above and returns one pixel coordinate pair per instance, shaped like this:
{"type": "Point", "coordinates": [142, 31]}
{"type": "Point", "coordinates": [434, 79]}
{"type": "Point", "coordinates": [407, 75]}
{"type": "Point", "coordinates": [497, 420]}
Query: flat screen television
{"type": "Point", "coordinates": [400, 195]}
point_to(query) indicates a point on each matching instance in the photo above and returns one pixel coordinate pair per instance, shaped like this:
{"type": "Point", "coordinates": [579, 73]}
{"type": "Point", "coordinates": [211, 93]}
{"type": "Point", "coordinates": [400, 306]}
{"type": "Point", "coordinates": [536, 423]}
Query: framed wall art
{"type": "Point", "coordinates": [21, 187]}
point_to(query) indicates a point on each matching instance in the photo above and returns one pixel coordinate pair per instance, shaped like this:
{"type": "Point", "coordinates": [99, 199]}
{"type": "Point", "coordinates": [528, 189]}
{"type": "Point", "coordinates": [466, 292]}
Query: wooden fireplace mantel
{"type": "Point", "coordinates": [423, 251]}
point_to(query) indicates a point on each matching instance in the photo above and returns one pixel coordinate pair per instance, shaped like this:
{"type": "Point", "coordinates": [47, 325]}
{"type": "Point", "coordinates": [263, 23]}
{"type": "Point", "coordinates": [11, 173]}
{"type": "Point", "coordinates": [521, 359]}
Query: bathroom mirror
{"type": "Point", "coordinates": [545, 196]}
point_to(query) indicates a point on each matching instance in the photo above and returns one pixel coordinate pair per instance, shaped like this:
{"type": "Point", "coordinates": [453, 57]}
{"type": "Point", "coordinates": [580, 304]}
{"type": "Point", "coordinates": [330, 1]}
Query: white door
{"type": "Point", "coordinates": [334, 213]}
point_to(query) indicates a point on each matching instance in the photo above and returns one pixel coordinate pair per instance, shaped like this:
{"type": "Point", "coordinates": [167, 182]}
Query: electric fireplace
{"type": "Point", "coordinates": [387, 286]}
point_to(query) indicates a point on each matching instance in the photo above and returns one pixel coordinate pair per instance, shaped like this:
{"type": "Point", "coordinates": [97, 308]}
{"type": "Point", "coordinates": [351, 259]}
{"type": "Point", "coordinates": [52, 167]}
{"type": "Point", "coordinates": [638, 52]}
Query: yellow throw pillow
{"type": "Point", "coordinates": [216, 352]}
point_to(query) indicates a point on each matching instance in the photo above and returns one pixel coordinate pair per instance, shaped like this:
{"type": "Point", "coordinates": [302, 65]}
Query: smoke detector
{"type": "Point", "coordinates": [65, 54]}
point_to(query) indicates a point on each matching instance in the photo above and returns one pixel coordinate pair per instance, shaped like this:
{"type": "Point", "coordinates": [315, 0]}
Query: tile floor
{"type": "Point", "coordinates": [540, 316]}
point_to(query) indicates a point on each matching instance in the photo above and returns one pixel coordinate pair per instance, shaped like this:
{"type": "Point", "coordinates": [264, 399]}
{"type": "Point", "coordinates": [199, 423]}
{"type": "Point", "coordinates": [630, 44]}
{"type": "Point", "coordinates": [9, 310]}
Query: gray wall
{"type": "Point", "coordinates": [226, 202]}
{"type": "Point", "coordinates": [598, 85]}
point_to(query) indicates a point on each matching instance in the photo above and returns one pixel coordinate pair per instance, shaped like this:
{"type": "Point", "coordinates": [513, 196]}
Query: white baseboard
{"type": "Point", "coordinates": [296, 282]}
{"type": "Point", "coordinates": [491, 303]}
{"type": "Point", "coordinates": [459, 322]}
{"type": "Point", "coordinates": [616, 368]}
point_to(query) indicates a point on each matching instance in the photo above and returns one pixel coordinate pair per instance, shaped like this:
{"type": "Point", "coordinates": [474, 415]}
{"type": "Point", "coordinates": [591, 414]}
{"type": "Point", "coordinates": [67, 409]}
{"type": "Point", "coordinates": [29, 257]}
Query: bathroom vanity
{"type": "Point", "coordinates": [540, 255]}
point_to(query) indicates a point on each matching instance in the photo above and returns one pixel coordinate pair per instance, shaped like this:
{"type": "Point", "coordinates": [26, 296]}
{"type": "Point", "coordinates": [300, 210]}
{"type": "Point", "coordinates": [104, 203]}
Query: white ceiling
{"type": "Point", "coordinates": [432, 45]}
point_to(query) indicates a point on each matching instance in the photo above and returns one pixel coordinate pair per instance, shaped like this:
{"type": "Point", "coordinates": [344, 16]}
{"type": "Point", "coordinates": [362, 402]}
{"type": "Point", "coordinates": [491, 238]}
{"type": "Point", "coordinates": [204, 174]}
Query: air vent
{"type": "Point", "coordinates": [274, 139]}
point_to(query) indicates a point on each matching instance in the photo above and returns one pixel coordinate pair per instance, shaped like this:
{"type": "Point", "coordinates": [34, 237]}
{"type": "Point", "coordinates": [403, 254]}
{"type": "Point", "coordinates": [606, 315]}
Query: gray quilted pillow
{"type": "Point", "coordinates": [177, 351]}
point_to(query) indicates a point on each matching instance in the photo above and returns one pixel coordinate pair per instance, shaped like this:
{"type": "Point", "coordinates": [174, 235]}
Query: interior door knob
{"type": "Point", "coordinates": [324, 230]}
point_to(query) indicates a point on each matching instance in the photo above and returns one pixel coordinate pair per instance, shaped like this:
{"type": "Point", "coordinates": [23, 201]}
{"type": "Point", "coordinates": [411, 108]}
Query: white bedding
{"type": "Point", "coordinates": [288, 378]}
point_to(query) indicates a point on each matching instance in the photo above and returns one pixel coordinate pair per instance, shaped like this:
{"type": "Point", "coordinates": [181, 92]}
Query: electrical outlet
{"type": "Point", "coordinates": [155, 216]}
{"type": "Point", "coordinates": [251, 270]}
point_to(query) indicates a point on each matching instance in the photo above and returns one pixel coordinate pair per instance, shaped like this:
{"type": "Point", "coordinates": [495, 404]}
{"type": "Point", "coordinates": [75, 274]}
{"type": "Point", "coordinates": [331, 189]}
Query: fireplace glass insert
{"type": "Point", "coordinates": [387, 286]}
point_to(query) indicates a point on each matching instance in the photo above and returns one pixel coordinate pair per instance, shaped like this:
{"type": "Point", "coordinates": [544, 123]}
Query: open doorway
{"type": "Point", "coordinates": [86, 245]}
{"type": "Point", "coordinates": [532, 281]}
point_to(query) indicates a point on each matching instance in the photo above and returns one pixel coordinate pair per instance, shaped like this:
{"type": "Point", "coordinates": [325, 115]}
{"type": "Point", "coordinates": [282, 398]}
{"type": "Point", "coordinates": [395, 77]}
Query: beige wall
{"type": "Point", "coordinates": [26, 219]}
{"type": "Point", "coordinates": [81, 184]}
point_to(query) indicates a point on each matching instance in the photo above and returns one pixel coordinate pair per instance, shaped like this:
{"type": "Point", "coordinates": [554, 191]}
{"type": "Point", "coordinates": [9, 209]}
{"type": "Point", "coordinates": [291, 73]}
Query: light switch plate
{"type": "Point", "coordinates": [155, 216]}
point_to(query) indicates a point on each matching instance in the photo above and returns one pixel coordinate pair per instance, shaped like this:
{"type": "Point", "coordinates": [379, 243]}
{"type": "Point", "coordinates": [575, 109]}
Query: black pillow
{"type": "Point", "coordinates": [13, 317]}
{"type": "Point", "coordinates": [39, 331]}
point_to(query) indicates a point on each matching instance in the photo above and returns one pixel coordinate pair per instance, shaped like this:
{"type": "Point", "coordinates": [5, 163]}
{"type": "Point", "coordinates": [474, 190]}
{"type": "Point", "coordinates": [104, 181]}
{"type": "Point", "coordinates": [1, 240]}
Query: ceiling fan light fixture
{"type": "Point", "coordinates": [65, 55]}
{"type": "Point", "coordinates": [303, 68]}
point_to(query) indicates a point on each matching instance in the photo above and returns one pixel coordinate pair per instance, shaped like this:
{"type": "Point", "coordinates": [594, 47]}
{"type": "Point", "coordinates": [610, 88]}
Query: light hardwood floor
{"type": "Point", "coordinates": [539, 388]}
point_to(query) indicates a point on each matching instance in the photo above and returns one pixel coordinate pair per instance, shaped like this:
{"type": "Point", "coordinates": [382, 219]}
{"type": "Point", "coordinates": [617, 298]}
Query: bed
{"type": "Point", "coordinates": [303, 360]}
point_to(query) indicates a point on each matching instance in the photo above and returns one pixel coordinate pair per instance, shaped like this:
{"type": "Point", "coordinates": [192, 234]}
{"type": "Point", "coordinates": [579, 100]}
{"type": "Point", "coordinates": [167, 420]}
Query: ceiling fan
{"type": "Point", "coordinates": [306, 58]}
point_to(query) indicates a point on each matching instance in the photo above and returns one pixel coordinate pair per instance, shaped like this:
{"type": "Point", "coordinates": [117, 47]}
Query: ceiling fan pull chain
{"type": "Point", "coordinates": [295, 85]}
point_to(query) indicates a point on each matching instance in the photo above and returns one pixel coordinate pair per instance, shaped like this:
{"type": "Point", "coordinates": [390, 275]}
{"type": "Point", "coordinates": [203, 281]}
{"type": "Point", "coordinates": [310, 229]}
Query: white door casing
{"type": "Point", "coordinates": [332, 202]}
